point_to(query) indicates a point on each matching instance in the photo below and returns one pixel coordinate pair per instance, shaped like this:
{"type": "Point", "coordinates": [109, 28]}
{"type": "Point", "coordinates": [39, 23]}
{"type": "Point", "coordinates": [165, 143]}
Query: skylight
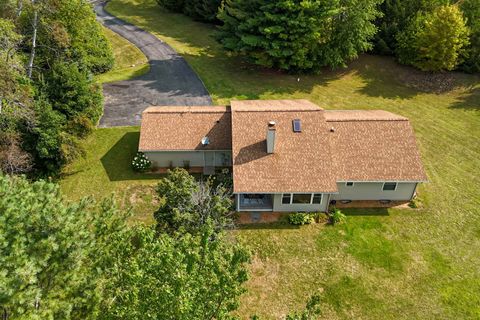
{"type": "Point", "coordinates": [205, 141]}
{"type": "Point", "coordinates": [297, 125]}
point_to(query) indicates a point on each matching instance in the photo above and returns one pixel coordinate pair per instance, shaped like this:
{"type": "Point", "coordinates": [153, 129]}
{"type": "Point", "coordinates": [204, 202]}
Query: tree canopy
{"type": "Point", "coordinates": [297, 35]}
{"type": "Point", "coordinates": [48, 97]}
{"type": "Point", "coordinates": [434, 41]}
{"type": "Point", "coordinates": [52, 252]}
{"type": "Point", "coordinates": [188, 205]}
{"type": "Point", "coordinates": [157, 276]}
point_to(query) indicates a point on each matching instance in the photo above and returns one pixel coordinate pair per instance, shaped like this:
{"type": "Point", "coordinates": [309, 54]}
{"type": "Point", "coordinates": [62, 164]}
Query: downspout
{"type": "Point", "coordinates": [414, 191]}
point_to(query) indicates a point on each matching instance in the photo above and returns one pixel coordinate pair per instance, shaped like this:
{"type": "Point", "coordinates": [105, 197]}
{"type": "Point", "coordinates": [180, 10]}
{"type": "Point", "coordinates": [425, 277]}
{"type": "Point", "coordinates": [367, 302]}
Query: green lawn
{"type": "Point", "coordinates": [106, 170]}
{"type": "Point", "coordinates": [381, 264]}
{"type": "Point", "coordinates": [130, 62]}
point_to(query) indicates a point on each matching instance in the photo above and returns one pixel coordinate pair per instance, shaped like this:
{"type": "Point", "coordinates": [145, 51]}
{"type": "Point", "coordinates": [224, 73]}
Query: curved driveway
{"type": "Point", "coordinates": [170, 80]}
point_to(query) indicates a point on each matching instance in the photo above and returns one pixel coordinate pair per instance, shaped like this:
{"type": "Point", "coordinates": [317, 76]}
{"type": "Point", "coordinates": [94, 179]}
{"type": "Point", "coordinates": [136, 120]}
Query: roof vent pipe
{"type": "Point", "coordinates": [271, 137]}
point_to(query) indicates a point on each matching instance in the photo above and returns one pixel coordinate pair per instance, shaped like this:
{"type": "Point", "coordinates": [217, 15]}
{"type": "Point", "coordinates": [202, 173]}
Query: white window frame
{"type": "Point", "coordinates": [383, 186]}
{"type": "Point", "coordinates": [311, 198]}
{"type": "Point", "coordinates": [291, 197]}
{"type": "Point", "coordinates": [347, 182]}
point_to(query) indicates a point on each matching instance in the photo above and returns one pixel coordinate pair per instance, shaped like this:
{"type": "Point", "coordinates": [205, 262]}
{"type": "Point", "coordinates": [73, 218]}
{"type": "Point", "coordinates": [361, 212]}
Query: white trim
{"type": "Point", "coordinates": [263, 192]}
{"type": "Point", "coordinates": [382, 181]}
{"type": "Point", "coordinates": [347, 186]}
{"type": "Point", "coordinates": [383, 186]}
{"type": "Point", "coordinates": [246, 210]}
{"type": "Point", "coordinates": [186, 150]}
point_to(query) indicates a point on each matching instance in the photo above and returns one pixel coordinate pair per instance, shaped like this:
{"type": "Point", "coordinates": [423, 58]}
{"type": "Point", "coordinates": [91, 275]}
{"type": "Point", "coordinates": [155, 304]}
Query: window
{"type": "Point", "coordinates": [349, 184]}
{"type": "Point", "coordinates": [317, 198]}
{"type": "Point", "coordinates": [299, 198]}
{"type": "Point", "coordinates": [297, 125]}
{"type": "Point", "coordinates": [286, 198]}
{"type": "Point", "coordinates": [389, 186]}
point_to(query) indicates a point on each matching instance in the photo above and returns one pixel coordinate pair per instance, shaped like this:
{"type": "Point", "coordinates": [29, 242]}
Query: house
{"type": "Point", "coordinates": [289, 155]}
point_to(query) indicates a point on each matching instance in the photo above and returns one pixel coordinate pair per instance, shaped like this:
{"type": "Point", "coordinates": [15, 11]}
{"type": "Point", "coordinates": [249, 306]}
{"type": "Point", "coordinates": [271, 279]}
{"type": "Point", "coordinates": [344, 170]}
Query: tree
{"type": "Point", "coordinates": [350, 32]}
{"type": "Point", "coordinates": [297, 35]}
{"type": "Point", "coordinates": [73, 93]}
{"type": "Point", "coordinates": [434, 41]}
{"type": "Point", "coordinates": [394, 19]}
{"type": "Point", "coordinates": [471, 12]}
{"type": "Point", "coordinates": [157, 276]}
{"type": "Point", "coordinates": [172, 5]}
{"type": "Point", "coordinates": [187, 205]}
{"type": "Point", "coordinates": [202, 10]}
{"type": "Point", "coordinates": [53, 253]}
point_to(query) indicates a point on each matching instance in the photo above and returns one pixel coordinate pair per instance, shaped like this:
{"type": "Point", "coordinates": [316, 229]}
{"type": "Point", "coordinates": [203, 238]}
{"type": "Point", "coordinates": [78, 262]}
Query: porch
{"type": "Point", "coordinates": [254, 202]}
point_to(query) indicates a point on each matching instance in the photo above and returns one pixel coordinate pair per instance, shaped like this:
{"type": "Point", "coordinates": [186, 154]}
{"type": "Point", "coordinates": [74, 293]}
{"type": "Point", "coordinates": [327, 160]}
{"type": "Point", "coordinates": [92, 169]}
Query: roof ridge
{"type": "Point", "coordinates": [362, 120]}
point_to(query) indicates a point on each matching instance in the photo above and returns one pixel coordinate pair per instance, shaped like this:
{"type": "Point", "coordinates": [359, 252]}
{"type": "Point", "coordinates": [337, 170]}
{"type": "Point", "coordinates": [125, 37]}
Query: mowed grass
{"type": "Point", "coordinates": [130, 62]}
{"type": "Point", "coordinates": [381, 264]}
{"type": "Point", "coordinates": [106, 171]}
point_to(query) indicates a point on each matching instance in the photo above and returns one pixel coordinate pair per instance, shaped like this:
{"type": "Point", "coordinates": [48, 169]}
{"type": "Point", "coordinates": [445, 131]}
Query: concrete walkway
{"type": "Point", "coordinates": [170, 80]}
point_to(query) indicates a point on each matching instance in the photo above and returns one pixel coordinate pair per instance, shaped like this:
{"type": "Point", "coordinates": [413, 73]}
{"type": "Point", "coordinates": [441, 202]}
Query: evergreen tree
{"type": "Point", "coordinates": [202, 10]}
{"type": "Point", "coordinates": [297, 35]}
{"type": "Point", "coordinates": [434, 41]}
{"type": "Point", "coordinates": [471, 12]}
{"type": "Point", "coordinates": [52, 254]}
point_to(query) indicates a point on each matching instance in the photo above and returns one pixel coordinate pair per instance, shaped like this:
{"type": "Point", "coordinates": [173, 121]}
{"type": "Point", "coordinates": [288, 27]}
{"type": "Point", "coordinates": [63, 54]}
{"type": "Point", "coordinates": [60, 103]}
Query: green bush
{"type": "Point", "coordinates": [301, 218]}
{"type": "Point", "coordinates": [434, 41]}
{"type": "Point", "coordinates": [336, 216]}
{"type": "Point", "coordinates": [140, 162]}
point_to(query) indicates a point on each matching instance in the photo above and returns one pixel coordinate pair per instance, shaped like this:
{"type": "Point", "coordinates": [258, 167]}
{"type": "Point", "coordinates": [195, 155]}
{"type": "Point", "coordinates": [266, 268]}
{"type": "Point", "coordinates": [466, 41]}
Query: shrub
{"type": "Point", "coordinates": [301, 218]}
{"type": "Point", "coordinates": [140, 162]}
{"type": "Point", "coordinates": [224, 178]}
{"type": "Point", "coordinates": [336, 216]}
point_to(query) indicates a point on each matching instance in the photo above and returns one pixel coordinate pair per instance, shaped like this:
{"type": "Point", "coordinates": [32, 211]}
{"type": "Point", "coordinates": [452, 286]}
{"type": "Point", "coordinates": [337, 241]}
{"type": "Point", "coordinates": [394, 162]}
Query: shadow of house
{"type": "Point", "coordinates": [117, 161]}
{"type": "Point", "coordinates": [252, 152]}
{"type": "Point", "coordinates": [361, 212]}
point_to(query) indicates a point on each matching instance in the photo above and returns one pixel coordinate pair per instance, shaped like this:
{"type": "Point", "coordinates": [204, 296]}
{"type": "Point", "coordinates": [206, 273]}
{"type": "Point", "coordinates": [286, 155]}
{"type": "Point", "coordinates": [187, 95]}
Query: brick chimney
{"type": "Point", "coordinates": [271, 137]}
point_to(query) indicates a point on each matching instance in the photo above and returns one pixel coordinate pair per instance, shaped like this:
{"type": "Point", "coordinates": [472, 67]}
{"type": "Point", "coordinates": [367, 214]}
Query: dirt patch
{"type": "Point", "coordinates": [429, 82]}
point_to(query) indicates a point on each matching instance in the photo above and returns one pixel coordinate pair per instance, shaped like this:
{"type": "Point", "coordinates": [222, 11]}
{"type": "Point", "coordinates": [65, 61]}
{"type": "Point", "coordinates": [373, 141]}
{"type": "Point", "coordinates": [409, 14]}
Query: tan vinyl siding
{"type": "Point", "coordinates": [196, 158]}
{"type": "Point", "coordinates": [373, 191]}
{"type": "Point", "coordinates": [279, 207]}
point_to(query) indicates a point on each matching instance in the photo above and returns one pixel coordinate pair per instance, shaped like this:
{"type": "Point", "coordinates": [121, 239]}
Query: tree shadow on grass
{"type": "Point", "coordinates": [117, 160]}
{"type": "Point", "coordinates": [280, 225]}
{"type": "Point", "coordinates": [469, 101]}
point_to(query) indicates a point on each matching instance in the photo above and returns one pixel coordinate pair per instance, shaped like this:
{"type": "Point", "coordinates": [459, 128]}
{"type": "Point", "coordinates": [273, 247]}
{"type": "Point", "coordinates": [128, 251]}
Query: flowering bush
{"type": "Point", "coordinates": [140, 162]}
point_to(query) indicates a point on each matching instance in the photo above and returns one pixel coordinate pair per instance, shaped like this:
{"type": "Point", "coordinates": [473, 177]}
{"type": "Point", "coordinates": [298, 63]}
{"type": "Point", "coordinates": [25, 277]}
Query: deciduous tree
{"type": "Point", "coordinates": [434, 41]}
{"type": "Point", "coordinates": [157, 276]}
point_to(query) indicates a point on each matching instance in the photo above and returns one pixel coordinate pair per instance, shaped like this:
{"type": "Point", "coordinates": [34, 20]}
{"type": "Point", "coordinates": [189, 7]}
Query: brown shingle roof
{"type": "Point", "coordinates": [301, 161]}
{"type": "Point", "coordinates": [373, 146]}
{"type": "Point", "coordinates": [182, 128]}
{"type": "Point", "coordinates": [361, 115]}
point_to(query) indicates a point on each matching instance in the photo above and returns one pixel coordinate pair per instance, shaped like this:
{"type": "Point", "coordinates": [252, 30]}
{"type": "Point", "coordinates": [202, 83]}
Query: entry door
{"type": "Point", "coordinates": [209, 159]}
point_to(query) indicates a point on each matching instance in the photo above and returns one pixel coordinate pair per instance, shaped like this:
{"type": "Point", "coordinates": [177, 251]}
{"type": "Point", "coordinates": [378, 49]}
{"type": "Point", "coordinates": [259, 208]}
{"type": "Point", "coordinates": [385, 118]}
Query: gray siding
{"type": "Point", "coordinates": [196, 158]}
{"type": "Point", "coordinates": [373, 191]}
{"type": "Point", "coordinates": [279, 207]}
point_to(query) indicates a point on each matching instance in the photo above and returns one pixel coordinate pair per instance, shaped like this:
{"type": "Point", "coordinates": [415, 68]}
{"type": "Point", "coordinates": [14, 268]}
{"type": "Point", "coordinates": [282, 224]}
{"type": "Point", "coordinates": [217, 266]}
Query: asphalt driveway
{"type": "Point", "coordinates": [170, 80]}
